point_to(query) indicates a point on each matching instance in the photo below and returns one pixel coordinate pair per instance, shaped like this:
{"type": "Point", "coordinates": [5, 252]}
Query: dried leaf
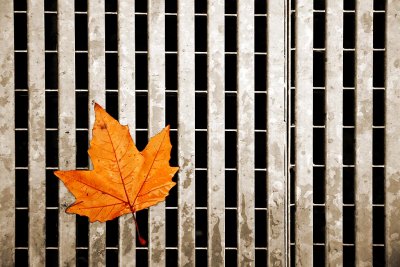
{"type": "Point", "coordinates": [123, 179]}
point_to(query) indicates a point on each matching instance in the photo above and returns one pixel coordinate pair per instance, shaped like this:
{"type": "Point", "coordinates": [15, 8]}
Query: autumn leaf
{"type": "Point", "coordinates": [123, 179]}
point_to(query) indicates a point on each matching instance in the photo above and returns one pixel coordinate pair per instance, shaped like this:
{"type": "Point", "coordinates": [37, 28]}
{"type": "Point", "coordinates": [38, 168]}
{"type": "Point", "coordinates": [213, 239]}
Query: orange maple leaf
{"type": "Point", "coordinates": [123, 179]}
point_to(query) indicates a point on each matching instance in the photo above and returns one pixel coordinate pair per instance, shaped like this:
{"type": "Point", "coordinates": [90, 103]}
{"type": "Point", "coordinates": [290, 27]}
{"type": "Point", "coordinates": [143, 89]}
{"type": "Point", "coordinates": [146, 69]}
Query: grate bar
{"type": "Point", "coordinates": [36, 134]}
{"type": "Point", "coordinates": [7, 137]}
{"type": "Point", "coordinates": [66, 127]}
{"type": "Point", "coordinates": [96, 83]}
{"type": "Point", "coordinates": [392, 131]}
{"type": "Point", "coordinates": [127, 105]}
{"type": "Point", "coordinates": [334, 133]}
{"type": "Point", "coordinates": [186, 134]}
{"type": "Point", "coordinates": [216, 133]}
{"type": "Point", "coordinates": [304, 133]}
{"type": "Point", "coordinates": [245, 133]}
{"type": "Point", "coordinates": [363, 133]}
{"type": "Point", "coordinates": [276, 134]}
{"type": "Point", "coordinates": [156, 83]}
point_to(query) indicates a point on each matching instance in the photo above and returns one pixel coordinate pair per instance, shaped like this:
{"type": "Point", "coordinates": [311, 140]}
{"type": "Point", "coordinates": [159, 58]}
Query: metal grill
{"type": "Point", "coordinates": [341, 153]}
{"type": "Point", "coordinates": [299, 175]}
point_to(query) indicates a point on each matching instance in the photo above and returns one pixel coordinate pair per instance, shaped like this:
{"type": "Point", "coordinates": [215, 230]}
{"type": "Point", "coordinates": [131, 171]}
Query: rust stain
{"type": "Point", "coordinates": [245, 232]}
{"type": "Point", "coordinates": [397, 63]}
{"type": "Point", "coordinates": [7, 195]}
{"type": "Point", "coordinates": [5, 78]}
{"type": "Point", "coordinates": [245, 235]}
{"type": "Point", "coordinates": [4, 128]}
{"type": "Point", "coordinates": [8, 163]}
{"type": "Point", "coordinates": [217, 259]}
{"type": "Point", "coordinates": [189, 173]}
{"type": "Point", "coordinates": [245, 261]}
{"type": "Point", "coordinates": [275, 226]}
{"type": "Point", "coordinates": [156, 248]}
{"type": "Point", "coordinates": [155, 229]}
{"type": "Point", "coordinates": [188, 180]}
{"type": "Point", "coordinates": [276, 152]}
{"type": "Point", "coordinates": [98, 246]}
{"type": "Point", "coordinates": [69, 263]}
{"type": "Point", "coordinates": [4, 100]}
{"type": "Point", "coordinates": [393, 238]}
{"type": "Point", "coordinates": [188, 242]}
{"type": "Point", "coordinates": [277, 258]}
{"type": "Point", "coordinates": [157, 251]}
{"type": "Point", "coordinates": [367, 22]}
{"type": "Point", "coordinates": [127, 244]}
{"type": "Point", "coordinates": [215, 188]}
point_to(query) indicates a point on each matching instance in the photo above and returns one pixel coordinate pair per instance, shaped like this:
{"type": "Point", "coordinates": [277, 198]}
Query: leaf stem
{"type": "Point", "coordinates": [142, 241]}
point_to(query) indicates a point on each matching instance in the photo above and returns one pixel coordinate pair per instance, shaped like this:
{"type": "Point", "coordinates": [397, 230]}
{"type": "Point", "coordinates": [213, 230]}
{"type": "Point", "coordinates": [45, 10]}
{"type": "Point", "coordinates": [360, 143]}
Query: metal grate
{"type": "Point", "coordinates": [269, 175]}
{"type": "Point", "coordinates": [338, 156]}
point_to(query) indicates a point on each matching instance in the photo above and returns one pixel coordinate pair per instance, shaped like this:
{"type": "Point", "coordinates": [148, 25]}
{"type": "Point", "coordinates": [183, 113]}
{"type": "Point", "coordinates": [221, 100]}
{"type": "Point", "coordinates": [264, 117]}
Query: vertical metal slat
{"type": "Point", "coordinates": [126, 102]}
{"type": "Point", "coordinates": [215, 133]}
{"type": "Point", "coordinates": [36, 134]}
{"type": "Point", "coordinates": [96, 65]}
{"type": "Point", "coordinates": [66, 125]}
{"type": "Point", "coordinates": [156, 83]}
{"type": "Point", "coordinates": [246, 142]}
{"type": "Point", "coordinates": [276, 133]}
{"type": "Point", "coordinates": [7, 136]}
{"type": "Point", "coordinates": [304, 133]}
{"type": "Point", "coordinates": [363, 132]}
{"type": "Point", "coordinates": [186, 134]}
{"type": "Point", "coordinates": [392, 132]}
{"type": "Point", "coordinates": [334, 133]}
